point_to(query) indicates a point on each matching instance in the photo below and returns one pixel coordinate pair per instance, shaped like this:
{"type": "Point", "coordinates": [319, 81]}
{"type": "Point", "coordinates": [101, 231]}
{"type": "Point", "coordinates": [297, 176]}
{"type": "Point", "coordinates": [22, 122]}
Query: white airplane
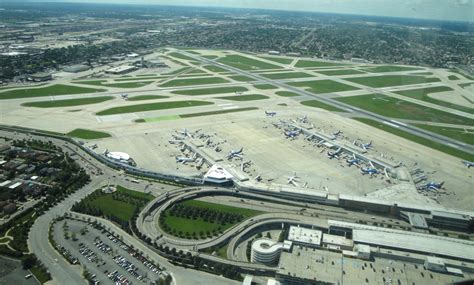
{"type": "Point", "coordinates": [469, 164]}
{"type": "Point", "coordinates": [292, 134]}
{"type": "Point", "coordinates": [353, 161]}
{"type": "Point", "coordinates": [337, 133]}
{"type": "Point", "coordinates": [369, 170]}
{"type": "Point", "coordinates": [366, 146]}
{"type": "Point", "coordinates": [302, 119]}
{"type": "Point", "coordinates": [270, 114]}
{"type": "Point", "coordinates": [124, 96]}
{"type": "Point", "coordinates": [185, 133]}
{"type": "Point", "coordinates": [433, 185]}
{"type": "Point", "coordinates": [258, 178]}
{"type": "Point", "coordinates": [293, 179]}
{"type": "Point", "coordinates": [184, 159]}
{"type": "Point", "coordinates": [334, 154]}
{"type": "Point", "coordinates": [235, 153]}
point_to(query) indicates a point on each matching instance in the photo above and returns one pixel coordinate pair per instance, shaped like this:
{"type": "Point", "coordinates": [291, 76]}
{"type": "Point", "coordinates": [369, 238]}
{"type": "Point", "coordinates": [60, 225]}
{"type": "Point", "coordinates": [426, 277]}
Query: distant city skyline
{"type": "Point", "coordinates": [454, 10]}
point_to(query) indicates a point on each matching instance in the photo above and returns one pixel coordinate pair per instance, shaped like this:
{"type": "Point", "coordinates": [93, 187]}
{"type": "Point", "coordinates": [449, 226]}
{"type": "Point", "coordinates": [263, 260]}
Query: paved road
{"type": "Point", "coordinates": [61, 271]}
{"type": "Point", "coordinates": [321, 97]}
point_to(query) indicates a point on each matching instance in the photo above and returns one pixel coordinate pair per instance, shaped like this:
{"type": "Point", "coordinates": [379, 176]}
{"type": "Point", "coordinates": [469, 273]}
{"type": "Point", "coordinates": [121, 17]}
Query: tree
{"type": "Point", "coordinates": [29, 261]}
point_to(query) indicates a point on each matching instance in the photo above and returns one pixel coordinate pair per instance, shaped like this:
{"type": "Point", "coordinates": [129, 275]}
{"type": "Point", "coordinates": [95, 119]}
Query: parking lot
{"type": "Point", "coordinates": [107, 259]}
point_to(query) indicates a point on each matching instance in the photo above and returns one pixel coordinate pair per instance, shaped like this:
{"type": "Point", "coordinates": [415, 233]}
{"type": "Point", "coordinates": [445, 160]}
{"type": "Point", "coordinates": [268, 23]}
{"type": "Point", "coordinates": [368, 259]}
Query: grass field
{"type": "Point", "coordinates": [198, 226]}
{"type": "Point", "coordinates": [39, 274]}
{"type": "Point", "coordinates": [88, 134]}
{"type": "Point", "coordinates": [140, 77]}
{"type": "Point", "coordinates": [422, 94]}
{"type": "Point", "coordinates": [197, 71]}
{"type": "Point", "coordinates": [462, 135]}
{"type": "Point", "coordinates": [394, 108]}
{"type": "Point", "coordinates": [287, 75]}
{"type": "Point", "coordinates": [462, 85]}
{"type": "Point", "coordinates": [265, 86]}
{"type": "Point", "coordinates": [53, 90]}
{"type": "Point", "coordinates": [220, 112]}
{"type": "Point", "coordinates": [286, 94]}
{"type": "Point", "coordinates": [194, 81]}
{"type": "Point", "coordinates": [180, 56]}
{"type": "Point", "coordinates": [146, 97]}
{"type": "Point", "coordinates": [340, 72]}
{"type": "Point", "coordinates": [303, 63]}
{"type": "Point", "coordinates": [391, 80]}
{"type": "Point", "coordinates": [118, 208]}
{"type": "Point", "coordinates": [453, 77]}
{"type": "Point", "coordinates": [157, 119]}
{"type": "Point", "coordinates": [390, 68]}
{"type": "Point", "coordinates": [241, 78]}
{"type": "Point", "coordinates": [250, 97]}
{"type": "Point", "coordinates": [91, 82]}
{"type": "Point", "coordinates": [210, 91]}
{"type": "Point", "coordinates": [192, 115]}
{"type": "Point", "coordinates": [210, 56]}
{"type": "Point", "coordinates": [68, 102]}
{"type": "Point", "coordinates": [417, 139]}
{"type": "Point", "coordinates": [128, 84]}
{"type": "Point", "coordinates": [321, 105]}
{"type": "Point", "coordinates": [281, 60]}
{"type": "Point", "coordinates": [214, 68]}
{"type": "Point", "coordinates": [182, 69]}
{"type": "Point", "coordinates": [323, 86]}
{"type": "Point", "coordinates": [152, 107]}
{"type": "Point", "coordinates": [246, 63]}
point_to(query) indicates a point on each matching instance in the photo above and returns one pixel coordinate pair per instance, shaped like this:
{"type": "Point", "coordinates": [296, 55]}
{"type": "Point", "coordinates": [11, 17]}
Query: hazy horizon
{"type": "Point", "coordinates": [456, 10]}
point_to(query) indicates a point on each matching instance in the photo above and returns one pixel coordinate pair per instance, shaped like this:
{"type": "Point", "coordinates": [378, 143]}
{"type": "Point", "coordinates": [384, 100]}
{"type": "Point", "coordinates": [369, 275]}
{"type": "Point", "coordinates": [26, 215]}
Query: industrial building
{"type": "Point", "coordinates": [76, 68]}
{"type": "Point", "coordinates": [40, 77]}
{"type": "Point", "coordinates": [123, 69]}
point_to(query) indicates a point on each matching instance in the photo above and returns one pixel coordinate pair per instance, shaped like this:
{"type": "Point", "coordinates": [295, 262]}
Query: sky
{"type": "Point", "coordinates": [457, 10]}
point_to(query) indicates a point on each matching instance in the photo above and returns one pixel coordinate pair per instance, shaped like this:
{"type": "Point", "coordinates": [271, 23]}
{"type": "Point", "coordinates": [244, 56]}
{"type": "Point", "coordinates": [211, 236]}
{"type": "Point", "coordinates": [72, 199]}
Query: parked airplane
{"type": "Point", "coordinates": [353, 161]}
{"type": "Point", "coordinates": [293, 179]}
{"type": "Point", "coordinates": [184, 159]}
{"type": "Point", "coordinates": [337, 133]}
{"type": "Point", "coordinates": [185, 133]}
{"type": "Point", "coordinates": [366, 146]}
{"type": "Point", "coordinates": [292, 134]}
{"type": "Point", "coordinates": [258, 178]}
{"type": "Point", "coordinates": [235, 153]}
{"type": "Point", "coordinates": [368, 170]}
{"type": "Point", "coordinates": [334, 154]}
{"type": "Point", "coordinates": [469, 164]}
{"type": "Point", "coordinates": [270, 114]}
{"type": "Point", "coordinates": [433, 185]}
{"type": "Point", "coordinates": [124, 96]}
{"type": "Point", "coordinates": [94, 146]}
{"type": "Point", "coordinates": [302, 119]}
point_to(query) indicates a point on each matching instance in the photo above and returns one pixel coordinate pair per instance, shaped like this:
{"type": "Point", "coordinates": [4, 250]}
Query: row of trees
{"type": "Point", "coordinates": [187, 259]}
{"type": "Point", "coordinates": [208, 215]}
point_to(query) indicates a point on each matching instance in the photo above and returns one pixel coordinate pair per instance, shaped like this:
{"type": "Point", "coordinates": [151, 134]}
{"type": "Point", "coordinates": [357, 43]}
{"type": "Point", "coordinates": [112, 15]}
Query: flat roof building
{"type": "Point", "coordinates": [40, 77]}
{"type": "Point", "coordinates": [121, 69]}
{"type": "Point", "coordinates": [305, 236]}
{"type": "Point", "coordinates": [338, 243]}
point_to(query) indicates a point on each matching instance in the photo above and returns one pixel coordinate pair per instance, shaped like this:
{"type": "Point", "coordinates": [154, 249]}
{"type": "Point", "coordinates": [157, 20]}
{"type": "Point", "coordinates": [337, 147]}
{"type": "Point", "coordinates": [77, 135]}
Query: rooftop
{"type": "Point", "coordinates": [305, 235]}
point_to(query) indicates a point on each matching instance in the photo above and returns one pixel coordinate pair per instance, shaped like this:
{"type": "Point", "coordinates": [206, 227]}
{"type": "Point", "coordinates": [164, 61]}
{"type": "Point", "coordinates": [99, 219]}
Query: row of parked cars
{"type": "Point", "coordinates": [127, 265]}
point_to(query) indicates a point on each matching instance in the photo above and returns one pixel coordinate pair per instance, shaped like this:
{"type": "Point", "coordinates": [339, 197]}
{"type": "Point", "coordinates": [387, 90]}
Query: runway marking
{"type": "Point", "coordinates": [397, 122]}
{"type": "Point", "coordinates": [98, 119]}
{"type": "Point", "coordinates": [390, 124]}
{"type": "Point", "coordinates": [230, 107]}
{"type": "Point", "coordinates": [225, 104]}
